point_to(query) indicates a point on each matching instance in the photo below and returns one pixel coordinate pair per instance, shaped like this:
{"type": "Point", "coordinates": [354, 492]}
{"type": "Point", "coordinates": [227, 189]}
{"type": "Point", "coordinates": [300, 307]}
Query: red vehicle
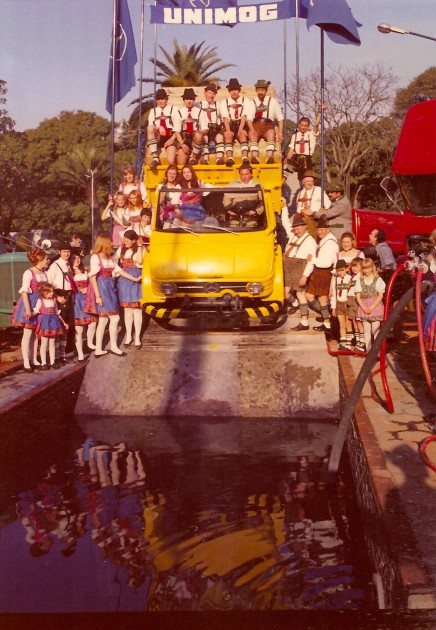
{"type": "Point", "coordinates": [413, 180]}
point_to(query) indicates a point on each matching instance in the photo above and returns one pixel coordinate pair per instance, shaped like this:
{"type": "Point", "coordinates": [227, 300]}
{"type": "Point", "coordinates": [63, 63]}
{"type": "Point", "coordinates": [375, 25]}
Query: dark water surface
{"type": "Point", "coordinates": [141, 514]}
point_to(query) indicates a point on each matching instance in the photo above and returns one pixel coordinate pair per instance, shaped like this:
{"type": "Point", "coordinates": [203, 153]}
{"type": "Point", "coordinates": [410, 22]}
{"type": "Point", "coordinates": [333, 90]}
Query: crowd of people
{"type": "Point", "coordinates": [323, 270]}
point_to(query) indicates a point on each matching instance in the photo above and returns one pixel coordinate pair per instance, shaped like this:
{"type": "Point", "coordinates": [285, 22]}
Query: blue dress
{"type": "Point", "coordinates": [106, 287]}
{"type": "Point", "coordinates": [49, 323]}
{"type": "Point", "coordinates": [18, 317]}
{"type": "Point", "coordinates": [129, 292]}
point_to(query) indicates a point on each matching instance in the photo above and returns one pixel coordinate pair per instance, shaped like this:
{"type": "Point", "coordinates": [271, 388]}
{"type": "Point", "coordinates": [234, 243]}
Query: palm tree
{"type": "Point", "coordinates": [186, 67]}
{"type": "Point", "coordinates": [83, 169]}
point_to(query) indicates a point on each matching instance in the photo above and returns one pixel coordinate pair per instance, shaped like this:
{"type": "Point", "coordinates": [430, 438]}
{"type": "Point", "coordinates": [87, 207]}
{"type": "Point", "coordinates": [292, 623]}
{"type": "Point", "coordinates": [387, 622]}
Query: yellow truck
{"type": "Point", "coordinates": [221, 260]}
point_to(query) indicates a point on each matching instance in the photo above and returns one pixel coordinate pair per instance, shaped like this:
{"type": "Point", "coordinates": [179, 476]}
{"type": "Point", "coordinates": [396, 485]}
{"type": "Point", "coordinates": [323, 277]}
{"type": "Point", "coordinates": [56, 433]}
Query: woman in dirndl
{"type": "Point", "coordinates": [101, 297]}
{"type": "Point", "coordinates": [81, 319]}
{"type": "Point", "coordinates": [129, 256]}
{"type": "Point", "coordinates": [22, 315]}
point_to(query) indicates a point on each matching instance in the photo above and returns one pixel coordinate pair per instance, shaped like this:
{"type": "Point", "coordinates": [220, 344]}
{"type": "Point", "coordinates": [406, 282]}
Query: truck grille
{"type": "Point", "coordinates": [211, 287]}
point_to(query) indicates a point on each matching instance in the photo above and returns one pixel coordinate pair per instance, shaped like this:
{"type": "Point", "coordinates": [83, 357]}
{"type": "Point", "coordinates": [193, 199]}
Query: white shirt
{"type": "Point", "coordinates": [214, 111]}
{"type": "Point", "coordinates": [126, 189]}
{"type": "Point", "coordinates": [309, 139]}
{"type": "Point", "coordinates": [273, 110]}
{"type": "Point", "coordinates": [107, 263]}
{"type": "Point", "coordinates": [302, 248]}
{"type": "Point", "coordinates": [326, 251]}
{"type": "Point", "coordinates": [56, 277]}
{"type": "Point", "coordinates": [243, 105]}
{"type": "Point", "coordinates": [48, 303]}
{"type": "Point", "coordinates": [339, 288]}
{"type": "Point", "coordinates": [194, 115]}
{"type": "Point", "coordinates": [170, 114]}
{"type": "Point", "coordinates": [380, 284]}
{"type": "Point", "coordinates": [313, 197]}
{"type": "Point", "coordinates": [41, 276]}
{"type": "Point", "coordinates": [137, 257]}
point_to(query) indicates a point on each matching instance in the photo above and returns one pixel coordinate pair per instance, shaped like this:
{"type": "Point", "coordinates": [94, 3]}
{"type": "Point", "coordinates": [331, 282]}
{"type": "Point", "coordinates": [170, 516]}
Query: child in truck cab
{"type": "Point", "coordinates": [169, 196]}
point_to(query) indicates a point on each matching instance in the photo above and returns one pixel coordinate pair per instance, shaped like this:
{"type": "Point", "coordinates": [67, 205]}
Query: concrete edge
{"type": "Point", "coordinates": [405, 582]}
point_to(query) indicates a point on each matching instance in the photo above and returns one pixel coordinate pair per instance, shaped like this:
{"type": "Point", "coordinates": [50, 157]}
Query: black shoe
{"type": "Point", "coordinates": [220, 162]}
{"type": "Point", "coordinates": [319, 319]}
{"type": "Point", "coordinates": [230, 161]}
{"type": "Point", "coordinates": [322, 328]}
{"type": "Point", "coordinates": [301, 327]}
{"type": "Point", "coordinates": [28, 370]}
{"type": "Point", "coordinates": [118, 354]}
{"type": "Point", "coordinates": [55, 366]}
{"type": "Point", "coordinates": [44, 368]}
{"type": "Point", "coordinates": [154, 163]}
{"type": "Point", "coordinates": [293, 309]}
{"type": "Point", "coordinates": [255, 160]}
{"type": "Point", "coordinates": [270, 160]}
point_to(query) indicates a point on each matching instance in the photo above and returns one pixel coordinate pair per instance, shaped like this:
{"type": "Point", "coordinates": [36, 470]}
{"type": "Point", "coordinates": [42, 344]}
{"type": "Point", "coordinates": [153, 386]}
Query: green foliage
{"type": "Point", "coordinates": [6, 122]}
{"type": "Point", "coordinates": [422, 88]}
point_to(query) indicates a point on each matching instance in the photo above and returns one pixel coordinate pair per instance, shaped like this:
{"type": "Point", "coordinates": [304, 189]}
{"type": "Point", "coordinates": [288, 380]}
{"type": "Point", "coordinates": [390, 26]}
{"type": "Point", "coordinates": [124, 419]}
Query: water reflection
{"type": "Point", "coordinates": [177, 532]}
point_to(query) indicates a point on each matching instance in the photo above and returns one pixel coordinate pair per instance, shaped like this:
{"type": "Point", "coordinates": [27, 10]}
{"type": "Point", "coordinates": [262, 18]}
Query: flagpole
{"type": "Point", "coordinates": [154, 55]}
{"type": "Point", "coordinates": [285, 88]}
{"type": "Point", "coordinates": [114, 47]}
{"type": "Point", "coordinates": [297, 56]}
{"type": "Point", "coordinates": [322, 116]}
{"type": "Point", "coordinates": [141, 62]}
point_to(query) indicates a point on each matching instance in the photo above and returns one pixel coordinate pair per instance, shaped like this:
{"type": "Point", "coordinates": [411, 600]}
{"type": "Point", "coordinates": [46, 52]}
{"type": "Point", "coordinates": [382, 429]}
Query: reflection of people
{"type": "Point", "coordinates": [246, 180]}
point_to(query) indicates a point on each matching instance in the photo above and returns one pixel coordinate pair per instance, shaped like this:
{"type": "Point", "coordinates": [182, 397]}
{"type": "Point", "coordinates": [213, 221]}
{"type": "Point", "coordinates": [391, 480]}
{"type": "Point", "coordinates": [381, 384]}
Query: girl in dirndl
{"type": "Point", "coordinates": [82, 319]}
{"type": "Point", "coordinates": [22, 315]}
{"type": "Point", "coordinates": [369, 291]}
{"type": "Point", "coordinates": [129, 256]}
{"type": "Point", "coordinates": [50, 324]}
{"type": "Point", "coordinates": [101, 296]}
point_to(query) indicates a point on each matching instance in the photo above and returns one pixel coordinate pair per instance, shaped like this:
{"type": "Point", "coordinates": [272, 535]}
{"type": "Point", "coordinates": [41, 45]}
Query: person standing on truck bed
{"type": "Point", "coordinates": [245, 180]}
{"type": "Point", "coordinates": [339, 213]}
{"type": "Point", "coordinates": [163, 130]}
{"type": "Point", "coordinates": [267, 115]}
{"type": "Point", "coordinates": [237, 116]}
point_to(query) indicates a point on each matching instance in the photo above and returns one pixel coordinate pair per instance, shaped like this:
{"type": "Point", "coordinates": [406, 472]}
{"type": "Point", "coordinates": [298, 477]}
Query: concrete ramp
{"type": "Point", "coordinates": [254, 374]}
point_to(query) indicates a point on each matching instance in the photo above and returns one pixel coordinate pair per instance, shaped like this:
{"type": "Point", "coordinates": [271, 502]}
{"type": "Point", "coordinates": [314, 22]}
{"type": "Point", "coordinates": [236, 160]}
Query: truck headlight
{"type": "Point", "coordinates": [168, 288]}
{"type": "Point", "coordinates": [255, 288]}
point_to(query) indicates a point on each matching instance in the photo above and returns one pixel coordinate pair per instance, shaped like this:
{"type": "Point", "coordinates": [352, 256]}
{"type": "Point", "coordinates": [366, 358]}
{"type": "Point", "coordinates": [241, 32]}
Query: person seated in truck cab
{"type": "Point", "coordinates": [169, 197]}
{"type": "Point", "coordinates": [191, 211]}
{"type": "Point", "coordinates": [244, 209]}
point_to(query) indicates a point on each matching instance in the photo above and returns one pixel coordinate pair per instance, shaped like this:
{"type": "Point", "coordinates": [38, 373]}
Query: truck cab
{"type": "Point", "coordinates": [223, 262]}
{"type": "Point", "coordinates": [414, 178]}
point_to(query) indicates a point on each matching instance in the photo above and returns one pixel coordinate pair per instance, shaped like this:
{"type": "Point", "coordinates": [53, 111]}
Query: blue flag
{"type": "Point", "coordinates": [336, 19]}
{"type": "Point", "coordinates": [125, 56]}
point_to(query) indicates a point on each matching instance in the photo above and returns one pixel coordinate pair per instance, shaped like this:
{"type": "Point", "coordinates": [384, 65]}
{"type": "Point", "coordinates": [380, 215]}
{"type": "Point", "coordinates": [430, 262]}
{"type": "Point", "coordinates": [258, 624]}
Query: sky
{"type": "Point", "coordinates": [54, 54]}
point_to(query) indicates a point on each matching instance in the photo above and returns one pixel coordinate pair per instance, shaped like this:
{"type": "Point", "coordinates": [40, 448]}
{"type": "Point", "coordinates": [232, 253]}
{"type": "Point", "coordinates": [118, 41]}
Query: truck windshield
{"type": "Point", "coordinates": [207, 209]}
{"type": "Point", "coordinates": [420, 193]}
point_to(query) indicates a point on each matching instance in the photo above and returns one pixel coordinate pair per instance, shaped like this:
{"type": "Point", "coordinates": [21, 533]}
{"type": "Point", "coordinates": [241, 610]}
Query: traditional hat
{"type": "Point", "coordinates": [323, 222]}
{"type": "Point", "coordinates": [297, 220]}
{"type": "Point", "coordinates": [308, 174]}
{"type": "Point", "coordinates": [341, 264]}
{"type": "Point", "coordinates": [212, 87]}
{"type": "Point", "coordinates": [188, 94]}
{"type": "Point", "coordinates": [262, 84]}
{"type": "Point", "coordinates": [335, 188]}
{"type": "Point", "coordinates": [131, 235]}
{"type": "Point", "coordinates": [161, 94]}
{"type": "Point", "coordinates": [234, 84]}
{"type": "Point", "coordinates": [64, 246]}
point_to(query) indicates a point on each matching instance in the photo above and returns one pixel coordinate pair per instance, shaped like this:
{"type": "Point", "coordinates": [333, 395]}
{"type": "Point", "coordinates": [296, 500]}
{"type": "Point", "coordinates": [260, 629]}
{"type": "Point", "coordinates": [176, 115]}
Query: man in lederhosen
{"type": "Point", "coordinates": [299, 251]}
{"type": "Point", "coordinates": [60, 275]}
{"type": "Point", "coordinates": [320, 278]}
{"type": "Point", "coordinates": [211, 125]}
{"type": "Point", "coordinates": [190, 129]}
{"type": "Point", "coordinates": [267, 116]}
{"type": "Point", "coordinates": [235, 112]}
{"type": "Point", "coordinates": [163, 130]}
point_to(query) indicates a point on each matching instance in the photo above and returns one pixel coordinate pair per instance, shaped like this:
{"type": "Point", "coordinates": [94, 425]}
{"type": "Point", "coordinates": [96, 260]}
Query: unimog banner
{"type": "Point", "coordinates": [220, 12]}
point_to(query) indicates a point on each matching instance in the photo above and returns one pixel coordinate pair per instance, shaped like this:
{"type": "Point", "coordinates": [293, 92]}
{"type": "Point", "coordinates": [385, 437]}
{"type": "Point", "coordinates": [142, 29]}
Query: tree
{"type": "Point", "coordinates": [422, 88]}
{"type": "Point", "coordinates": [6, 122]}
{"type": "Point", "coordinates": [357, 98]}
{"type": "Point", "coordinates": [188, 66]}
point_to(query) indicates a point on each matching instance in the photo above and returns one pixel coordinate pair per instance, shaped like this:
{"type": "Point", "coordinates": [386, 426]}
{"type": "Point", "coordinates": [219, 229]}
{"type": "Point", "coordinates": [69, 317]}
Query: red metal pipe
{"type": "Point", "coordinates": [419, 322]}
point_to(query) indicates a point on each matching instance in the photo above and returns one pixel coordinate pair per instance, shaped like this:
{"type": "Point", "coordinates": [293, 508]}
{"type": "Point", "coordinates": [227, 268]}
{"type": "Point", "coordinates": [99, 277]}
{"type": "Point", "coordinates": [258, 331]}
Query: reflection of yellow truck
{"type": "Point", "coordinates": [223, 261]}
